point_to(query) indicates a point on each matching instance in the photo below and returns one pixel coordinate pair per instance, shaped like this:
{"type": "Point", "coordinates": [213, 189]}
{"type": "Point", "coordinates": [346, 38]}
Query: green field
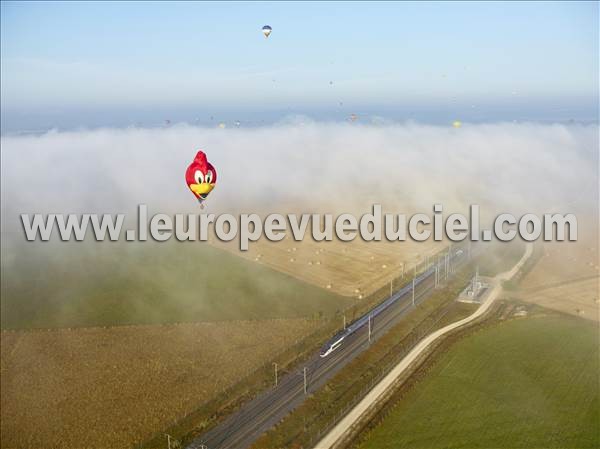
{"type": "Point", "coordinates": [526, 383]}
{"type": "Point", "coordinates": [74, 284]}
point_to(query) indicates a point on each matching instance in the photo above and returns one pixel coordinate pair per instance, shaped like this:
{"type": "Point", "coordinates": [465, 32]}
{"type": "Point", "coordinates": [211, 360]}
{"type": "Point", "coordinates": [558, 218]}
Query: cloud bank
{"type": "Point", "coordinates": [302, 166]}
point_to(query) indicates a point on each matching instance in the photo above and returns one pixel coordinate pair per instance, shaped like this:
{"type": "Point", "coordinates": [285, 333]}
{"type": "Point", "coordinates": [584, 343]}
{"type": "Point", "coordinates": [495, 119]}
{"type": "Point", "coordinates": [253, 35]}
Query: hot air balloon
{"type": "Point", "coordinates": [457, 123]}
{"type": "Point", "coordinates": [201, 177]}
{"type": "Point", "coordinates": [267, 30]}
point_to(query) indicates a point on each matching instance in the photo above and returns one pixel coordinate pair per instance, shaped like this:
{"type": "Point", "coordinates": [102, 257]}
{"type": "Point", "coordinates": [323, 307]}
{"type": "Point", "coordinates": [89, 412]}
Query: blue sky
{"type": "Point", "coordinates": [128, 62]}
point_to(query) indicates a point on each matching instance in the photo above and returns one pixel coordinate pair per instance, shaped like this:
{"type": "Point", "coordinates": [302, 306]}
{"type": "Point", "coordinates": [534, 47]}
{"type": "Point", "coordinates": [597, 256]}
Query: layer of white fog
{"type": "Point", "coordinates": [306, 167]}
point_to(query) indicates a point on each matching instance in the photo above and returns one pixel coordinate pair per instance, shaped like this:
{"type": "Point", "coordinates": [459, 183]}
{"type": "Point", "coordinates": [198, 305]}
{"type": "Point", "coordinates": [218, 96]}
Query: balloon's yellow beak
{"type": "Point", "coordinates": [202, 189]}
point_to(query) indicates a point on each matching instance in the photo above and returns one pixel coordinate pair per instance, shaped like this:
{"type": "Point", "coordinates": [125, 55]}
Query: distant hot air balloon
{"type": "Point", "coordinates": [201, 176]}
{"type": "Point", "coordinates": [267, 30]}
{"type": "Point", "coordinates": [353, 117]}
{"type": "Point", "coordinates": [222, 125]}
{"type": "Point", "coordinates": [457, 123]}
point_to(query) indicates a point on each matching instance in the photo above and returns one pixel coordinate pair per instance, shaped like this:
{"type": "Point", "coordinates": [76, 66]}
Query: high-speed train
{"type": "Point", "coordinates": [336, 341]}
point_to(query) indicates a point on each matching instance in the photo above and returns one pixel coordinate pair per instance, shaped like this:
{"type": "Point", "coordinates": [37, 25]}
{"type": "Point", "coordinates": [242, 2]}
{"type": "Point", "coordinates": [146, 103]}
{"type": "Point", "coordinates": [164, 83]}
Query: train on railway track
{"type": "Point", "coordinates": [336, 341]}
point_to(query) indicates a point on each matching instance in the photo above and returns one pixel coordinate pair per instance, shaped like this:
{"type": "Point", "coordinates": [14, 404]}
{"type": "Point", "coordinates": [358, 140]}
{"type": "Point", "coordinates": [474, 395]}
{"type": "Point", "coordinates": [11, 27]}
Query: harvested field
{"type": "Point", "coordinates": [354, 268]}
{"type": "Point", "coordinates": [562, 261]}
{"type": "Point", "coordinates": [113, 387]}
{"type": "Point", "coordinates": [575, 298]}
{"type": "Point", "coordinates": [566, 278]}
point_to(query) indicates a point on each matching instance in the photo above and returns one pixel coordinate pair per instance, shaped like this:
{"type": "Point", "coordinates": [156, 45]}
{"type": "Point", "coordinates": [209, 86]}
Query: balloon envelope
{"type": "Point", "coordinates": [201, 176]}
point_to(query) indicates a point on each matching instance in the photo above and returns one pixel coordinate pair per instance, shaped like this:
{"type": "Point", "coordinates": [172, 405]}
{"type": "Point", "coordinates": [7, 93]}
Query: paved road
{"type": "Point", "coordinates": [379, 391]}
{"type": "Point", "coordinates": [243, 427]}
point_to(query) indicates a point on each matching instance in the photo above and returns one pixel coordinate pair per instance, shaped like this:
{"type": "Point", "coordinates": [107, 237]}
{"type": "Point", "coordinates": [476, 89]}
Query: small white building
{"type": "Point", "coordinates": [474, 291]}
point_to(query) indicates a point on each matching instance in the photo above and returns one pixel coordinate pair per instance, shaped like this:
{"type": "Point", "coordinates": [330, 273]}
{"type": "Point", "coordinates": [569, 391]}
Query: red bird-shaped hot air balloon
{"type": "Point", "coordinates": [201, 176]}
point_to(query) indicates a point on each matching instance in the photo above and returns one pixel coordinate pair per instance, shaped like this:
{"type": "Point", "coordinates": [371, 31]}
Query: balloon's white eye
{"type": "Point", "coordinates": [209, 176]}
{"type": "Point", "coordinates": [198, 177]}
